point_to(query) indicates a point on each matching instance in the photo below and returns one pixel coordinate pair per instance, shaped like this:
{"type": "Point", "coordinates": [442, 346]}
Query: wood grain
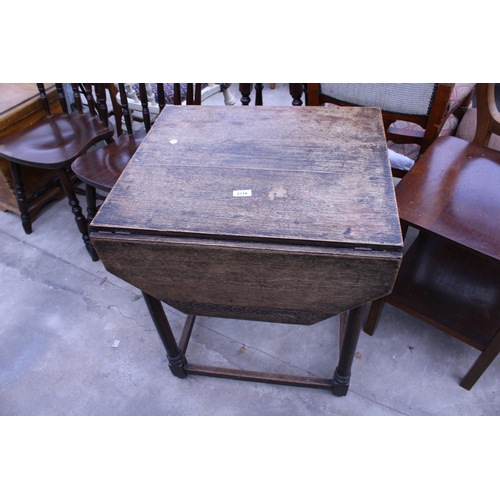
{"type": "Point", "coordinates": [258, 281]}
{"type": "Point", "coordinates": [316, 175]}
{"type": "Point", "coordinates": [319, 234]}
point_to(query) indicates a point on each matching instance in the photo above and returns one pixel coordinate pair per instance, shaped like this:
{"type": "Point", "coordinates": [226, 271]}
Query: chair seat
{"type": "Point", "coordinates": [102, 167]}
{"type": "Point", "coordinates": [459, 199]}
{"type": "Point", "coordinates": [54, 141]}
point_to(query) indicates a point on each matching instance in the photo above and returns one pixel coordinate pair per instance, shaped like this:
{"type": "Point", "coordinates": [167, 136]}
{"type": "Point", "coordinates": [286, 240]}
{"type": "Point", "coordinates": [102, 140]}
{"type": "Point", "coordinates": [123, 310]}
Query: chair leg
{"type": "Point", "coordinates": [245, 91]}
{"type": "Point", "coordinates": [296, 91]}
{"type": "Point", "coordinates": [229, 99]}
{"type": "Point", "coordinates": [374, 316]}
{"type": "Point", "coordinates": [377, 305]}
{"type": "Point", "coordinates": [484, 360]}
{"type": "Point", "coordinates": [77, 211]}
{"type": "Point", "coordinates": [91, 196]}
{"type": "Point", "coordinates": [258, 94]}
{"type": "Point", "coordinates": [22, 201]}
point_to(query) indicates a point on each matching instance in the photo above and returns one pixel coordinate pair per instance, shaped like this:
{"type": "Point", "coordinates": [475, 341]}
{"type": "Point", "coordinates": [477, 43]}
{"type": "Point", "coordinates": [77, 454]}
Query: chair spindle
{"type": "Point", "coordinates": [44, 99]}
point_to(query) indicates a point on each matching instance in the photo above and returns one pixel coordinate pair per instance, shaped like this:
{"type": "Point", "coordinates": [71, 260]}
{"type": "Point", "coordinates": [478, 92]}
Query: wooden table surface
{"type": "Point", "coordinates": [316, 175]}
{"type": "Point", "coordinates": [282, 214]}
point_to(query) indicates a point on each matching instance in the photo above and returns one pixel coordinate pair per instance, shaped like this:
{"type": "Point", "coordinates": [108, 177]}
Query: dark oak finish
{"type": "Point", "coordinates": [451, 274]}
{"type": "Point", "coordinates": [53, 143]}
{"type": "Point", "coordinates": [315, 234]}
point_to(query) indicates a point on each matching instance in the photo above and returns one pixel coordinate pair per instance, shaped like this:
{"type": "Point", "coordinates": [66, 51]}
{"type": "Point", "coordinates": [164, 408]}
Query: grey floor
{"type": "Point", "coordinates": [75, 340]}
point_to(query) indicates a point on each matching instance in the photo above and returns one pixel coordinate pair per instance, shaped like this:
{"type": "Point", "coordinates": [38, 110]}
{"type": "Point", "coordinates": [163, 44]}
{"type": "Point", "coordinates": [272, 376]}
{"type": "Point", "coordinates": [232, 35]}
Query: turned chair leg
{"type": "Point", "coordinates": [229, 99]}
{"type": "Point", "coordinates": [296, 91]}
{"type": "Point", "coordinates": [81, 222]}
{"type": "Point", "coordinates": [22, 201]}
{"type": "Point", "coordinates": [91, 196]}
{"type": "Point", "coordinates": [245, 91]}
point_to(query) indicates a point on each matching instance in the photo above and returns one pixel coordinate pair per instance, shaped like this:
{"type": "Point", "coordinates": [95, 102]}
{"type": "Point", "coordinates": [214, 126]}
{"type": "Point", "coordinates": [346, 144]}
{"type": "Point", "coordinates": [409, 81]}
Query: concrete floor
{"type": "Point", "coordinates": [75, 340]}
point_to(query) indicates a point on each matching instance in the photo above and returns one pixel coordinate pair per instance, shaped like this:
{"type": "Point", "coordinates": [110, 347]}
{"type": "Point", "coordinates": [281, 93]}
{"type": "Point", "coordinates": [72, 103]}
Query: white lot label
{"type": "Point", "coordinates": [242, 192]}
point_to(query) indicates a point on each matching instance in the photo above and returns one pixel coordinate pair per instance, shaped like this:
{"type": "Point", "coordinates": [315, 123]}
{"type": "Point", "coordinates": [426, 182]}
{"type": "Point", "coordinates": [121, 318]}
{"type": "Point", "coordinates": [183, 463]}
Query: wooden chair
{"type": "Point", "coordinates": [101, 168]}
{"type": "Point", "coordinates": [450, 275]}
{"type": "Point", "coordinates": [170, 93]}
{"type": "Point", "coordinates": [414, 114]}
{"type": "Point", "coordinates": [53, 143]}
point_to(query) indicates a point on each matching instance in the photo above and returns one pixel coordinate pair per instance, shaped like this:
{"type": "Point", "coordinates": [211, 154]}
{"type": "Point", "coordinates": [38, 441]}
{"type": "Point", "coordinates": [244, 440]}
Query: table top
{"type": "Point", "coordinates": [300, 175]}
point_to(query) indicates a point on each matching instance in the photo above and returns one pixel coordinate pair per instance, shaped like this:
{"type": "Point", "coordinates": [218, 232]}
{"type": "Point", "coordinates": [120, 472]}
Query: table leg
{"type": "Point", "coordinates": [342, 374]}
{"type": "Point", "coordinates": [175, 356]}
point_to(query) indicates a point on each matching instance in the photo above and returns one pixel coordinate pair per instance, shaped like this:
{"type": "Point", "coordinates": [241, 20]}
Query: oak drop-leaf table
{"type": "Point", "coordinates": [275, 214]}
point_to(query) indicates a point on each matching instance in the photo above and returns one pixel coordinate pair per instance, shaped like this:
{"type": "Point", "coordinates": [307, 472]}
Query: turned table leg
{"type": "Point", "coordinates": [175, 356]}
{"type": "Point", "coordinates": [342, 374]}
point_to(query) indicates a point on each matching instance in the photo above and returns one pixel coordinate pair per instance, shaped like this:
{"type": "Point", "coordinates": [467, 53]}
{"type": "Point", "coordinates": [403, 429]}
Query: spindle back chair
{"type": "Point", "coordinates": [101, 168]}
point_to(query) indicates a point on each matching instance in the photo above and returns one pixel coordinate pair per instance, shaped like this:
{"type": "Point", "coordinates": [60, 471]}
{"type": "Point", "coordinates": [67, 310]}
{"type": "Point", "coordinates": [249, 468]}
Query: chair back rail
{"type": "Point", "coordinates": [145, 106]}
{"type": "Point", "coordinates": [427, 105]}
{"type": "Point", "coordinates": [488, 116]}
{"type": "Point", "coordinates": [161, 96]}
{"type": "Point", "coordinates": [125, 110]}
{"type": "Point", "coordinates": [44, 99]}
